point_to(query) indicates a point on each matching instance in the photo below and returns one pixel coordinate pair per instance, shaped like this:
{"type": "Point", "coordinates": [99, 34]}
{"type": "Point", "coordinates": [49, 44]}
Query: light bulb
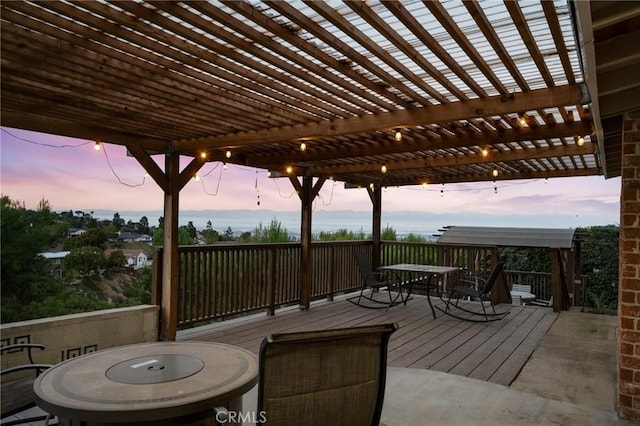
{"type": "Point", "coordinates": [203, 155]}
{"type": "Point", "coordinates": [580, 141]}
{"type": "Point", "coordinates": [424, 185]}
{"type": "Point", "coordinates": [97, 146]}
{"type": "Point", "coordinates": [228, 154]}
{"type": "Point", "coordinates": [383, 169]}
{"type": "Point", "coordinates": [196, 177]}
{"type": "Point", "coordinates": [398, 136]}
{"type": "Point", "coordinates": [494, 173]}
{"type": "Point", "coordinates": [523, 121]}
{"type": "Point", "coordinates": [289, 169]}
{"type": "Point", "coordinates": [303, 147]}
{"type": "Point", "coordinates": [485, 152]}
{"type": "Point", "coordinates": [224, 166]}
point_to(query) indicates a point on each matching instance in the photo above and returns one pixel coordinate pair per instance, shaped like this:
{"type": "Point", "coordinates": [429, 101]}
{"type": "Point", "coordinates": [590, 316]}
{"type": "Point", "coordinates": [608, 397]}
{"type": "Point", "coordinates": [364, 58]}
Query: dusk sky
{"type": "Point", "coordinates": [70, 174]}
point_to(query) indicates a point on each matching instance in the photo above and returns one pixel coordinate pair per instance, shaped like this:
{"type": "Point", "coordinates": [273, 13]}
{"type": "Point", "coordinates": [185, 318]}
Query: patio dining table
{"type": "Point", "coordinates": [421, 274]}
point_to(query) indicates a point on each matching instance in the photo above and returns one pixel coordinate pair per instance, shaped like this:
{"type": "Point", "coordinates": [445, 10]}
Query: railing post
{"type": "Point", "coordinates": [271, 280]}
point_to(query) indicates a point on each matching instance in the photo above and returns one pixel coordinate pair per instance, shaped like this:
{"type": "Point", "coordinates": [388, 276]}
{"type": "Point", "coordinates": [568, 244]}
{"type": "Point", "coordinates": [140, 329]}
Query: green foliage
{"type": "Point", "coordinates": [600, 264]}
{"type": "Point", "coordinates": [95, 237]}
{"type": "Point", "coordinates": [526, 259]}
{"type": "Point", "coordinates": [116, 259]}
{"type": "Point", "coordinates": [389, 234]}
{"type": "Point", "coordinates": [139, 292]}
{"type": "Point", "coordinates": [341, 235]}
{"type": "Point", "coordinates": [275, 233]}
{"type": "Point", "coordinates": [413, 238]}
{"type": "Point", "coordinates": [183, 237]}
{"type": "Point", "coordinates": [85, 260]}
{"type": "Point", "coordinates": [191, 230]}
{"type": "Point", "coordinates": [210, 236]}
{"type": "Point", "coordinates": [25, 233]}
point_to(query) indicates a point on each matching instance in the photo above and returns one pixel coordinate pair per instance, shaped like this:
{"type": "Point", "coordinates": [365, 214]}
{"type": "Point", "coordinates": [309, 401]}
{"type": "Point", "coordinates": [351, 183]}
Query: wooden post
{"type": "Point", "coordinates": [169, 306]}
{"type": "Point", "coordinates": [305, 242]}
{"type": "Point", "coordinates": [501, 293]}
{"type": "Point", "coordinates": [555, 280]}
{"type": "Point", "coordinates": [376, 200]}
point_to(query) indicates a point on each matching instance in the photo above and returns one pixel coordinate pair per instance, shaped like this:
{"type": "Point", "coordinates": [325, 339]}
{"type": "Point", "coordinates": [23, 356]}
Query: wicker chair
{"type": "Point", "coordinates": [333, 377]}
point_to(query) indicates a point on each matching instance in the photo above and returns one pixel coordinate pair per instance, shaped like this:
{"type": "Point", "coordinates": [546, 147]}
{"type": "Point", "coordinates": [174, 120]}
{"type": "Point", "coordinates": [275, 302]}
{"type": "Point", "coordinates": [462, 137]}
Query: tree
{"type": "Point", "coordinates": [95, 237]}
{"type": "Point", "coordinates": [183, 237]}
{"type": "Point", "coordinates": [143, 225]}
{"type": "Point", "coordinates": [85, 260]}
{"type": "Point", "coordinates": [193, 232]}
{"type": "Point", "coordinates": [118, 222]}
{"type": "Point", "coordinates": [25, 234]}
{"type": "Point", "coordinates": [600, 265]}
{"type": "Point", "coordinates": [116, 259]}
{"type": "Point", "coordinates": [275, 233]}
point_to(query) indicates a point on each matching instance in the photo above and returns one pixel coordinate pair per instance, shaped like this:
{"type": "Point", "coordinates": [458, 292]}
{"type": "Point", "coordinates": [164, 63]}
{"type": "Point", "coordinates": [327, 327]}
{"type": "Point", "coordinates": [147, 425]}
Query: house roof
{"type": "Point", "coordinates": [508, 237]}
{"type": "Point", "coordinates": [473, 87]}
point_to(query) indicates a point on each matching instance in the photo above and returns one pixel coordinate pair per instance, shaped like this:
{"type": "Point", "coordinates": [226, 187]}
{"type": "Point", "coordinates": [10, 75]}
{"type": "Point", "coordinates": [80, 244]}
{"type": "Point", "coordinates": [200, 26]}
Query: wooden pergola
{"type": "Point", "coordinates": [371, 94]}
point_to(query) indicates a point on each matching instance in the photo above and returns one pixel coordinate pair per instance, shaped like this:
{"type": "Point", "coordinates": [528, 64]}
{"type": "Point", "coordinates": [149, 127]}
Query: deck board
{"type": "Point", "coordinates": [494, 351]}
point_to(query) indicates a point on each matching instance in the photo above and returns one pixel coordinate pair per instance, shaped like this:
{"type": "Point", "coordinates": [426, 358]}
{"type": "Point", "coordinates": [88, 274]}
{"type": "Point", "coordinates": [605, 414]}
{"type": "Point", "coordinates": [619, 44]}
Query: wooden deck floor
{"type": "Point", "coordinates": [494, 352]}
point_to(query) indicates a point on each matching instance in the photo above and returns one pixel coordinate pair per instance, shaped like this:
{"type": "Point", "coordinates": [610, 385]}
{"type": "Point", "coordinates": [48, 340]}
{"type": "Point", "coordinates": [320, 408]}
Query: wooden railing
{"type": "Point", "coordinates": [540, 283]}
{"type": "Point", "coordinates": [227, 280]}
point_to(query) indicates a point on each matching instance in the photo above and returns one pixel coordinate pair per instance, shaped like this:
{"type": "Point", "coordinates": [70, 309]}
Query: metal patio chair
{"type": "Point", "coordinates": [17, 393]}
{"type": "Point", "coordinates": [475, 289]}
{"type": "Point", "coordinates": [377, 283]}
{"type": "Point", "coordinates": [331, 377]}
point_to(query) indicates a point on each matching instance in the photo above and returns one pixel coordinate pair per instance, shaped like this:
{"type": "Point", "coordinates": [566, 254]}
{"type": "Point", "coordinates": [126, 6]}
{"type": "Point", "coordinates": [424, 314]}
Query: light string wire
{"type": "Point", "coordinates": [144, 177]}
{"type": "Point", "coordinates": [248, 169]}
{"type": "Point", "coordinates": [46, 144]}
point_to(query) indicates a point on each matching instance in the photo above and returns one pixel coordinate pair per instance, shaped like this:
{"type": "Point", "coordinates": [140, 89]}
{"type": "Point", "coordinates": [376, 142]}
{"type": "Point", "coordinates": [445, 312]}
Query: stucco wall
{"type": "Point", "coordinates": [69, 336]}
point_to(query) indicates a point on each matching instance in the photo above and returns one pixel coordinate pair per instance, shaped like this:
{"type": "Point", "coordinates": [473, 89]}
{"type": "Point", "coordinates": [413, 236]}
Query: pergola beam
{"type": "Point", "coordinates": [443, 113]}
{"type": "Point", "coordinates": [452, 161]}
{"type": "Point", "coordinates": [427, 143]}
{"type": "Point", "coordinates": [470, 178]}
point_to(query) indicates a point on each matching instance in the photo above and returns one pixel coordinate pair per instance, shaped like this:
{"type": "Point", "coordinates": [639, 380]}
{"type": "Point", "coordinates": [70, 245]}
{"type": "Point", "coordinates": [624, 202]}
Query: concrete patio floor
{"type": "Point", "coordinates": [569, 380]}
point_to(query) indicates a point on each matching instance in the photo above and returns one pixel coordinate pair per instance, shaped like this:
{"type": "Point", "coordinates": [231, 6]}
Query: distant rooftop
{"type": "Point", "coordinates": [508, 237]}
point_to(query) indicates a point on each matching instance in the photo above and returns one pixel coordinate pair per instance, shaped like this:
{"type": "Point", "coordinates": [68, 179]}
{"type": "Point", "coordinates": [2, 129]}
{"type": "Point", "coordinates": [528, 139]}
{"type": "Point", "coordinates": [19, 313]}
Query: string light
{"type": "Point", "coordinates": [383, 169]}
{"type": "Point", "coordinates": [97, 146]}
{"type": "Point", "coordinates": [523, 120]}
{"type": "Point", "coordinates": [442, 191]}
{"type": "Point", "coordinates": [224, 166]}
{"type": "Point", "coordinates": [303, 147]}
{"type": "Point", "coordinates": [580, 141]}
{"type": "Point", "coordinates": [196, 177]}
{"type": "Point", "coordinates": [494, 173]}
{"type": "Point", "coordinates": [424, 186]}
{"type": "Point", "coordinates": [203, 155]}
{"type": "Point", "coordinates": [546, 181]}
{"type": "Point", "coordinates": [289, 169]}
{"type": "Point", "coordinates": [495, 187]}
{"type": "Point", "coordinates": [484, 152]}
{"type": "Point", "coordinates": [398, 136]}
{"type": "Point", "coordinates": [228, 154]}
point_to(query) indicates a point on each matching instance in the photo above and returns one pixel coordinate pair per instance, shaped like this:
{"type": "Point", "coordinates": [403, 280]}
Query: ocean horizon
{"type": "Point", "coordinates": [403, 222]}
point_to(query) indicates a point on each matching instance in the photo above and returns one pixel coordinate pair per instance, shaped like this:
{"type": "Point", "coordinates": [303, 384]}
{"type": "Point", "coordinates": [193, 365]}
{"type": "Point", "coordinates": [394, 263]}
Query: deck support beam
{"type": "Point", "coordinates": [375, 194]}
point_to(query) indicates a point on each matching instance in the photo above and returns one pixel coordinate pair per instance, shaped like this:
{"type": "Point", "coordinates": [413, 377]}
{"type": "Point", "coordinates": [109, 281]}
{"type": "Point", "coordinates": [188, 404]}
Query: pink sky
{"type": "Point", "coordinates": [80, 178]}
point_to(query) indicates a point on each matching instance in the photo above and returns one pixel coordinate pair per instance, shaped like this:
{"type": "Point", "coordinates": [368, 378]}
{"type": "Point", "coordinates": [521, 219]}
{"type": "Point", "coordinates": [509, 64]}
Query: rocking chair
{"type": "Point", "coordinates": [474, 289]}
{"type": "Point", "coordinates": [376, 283]}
